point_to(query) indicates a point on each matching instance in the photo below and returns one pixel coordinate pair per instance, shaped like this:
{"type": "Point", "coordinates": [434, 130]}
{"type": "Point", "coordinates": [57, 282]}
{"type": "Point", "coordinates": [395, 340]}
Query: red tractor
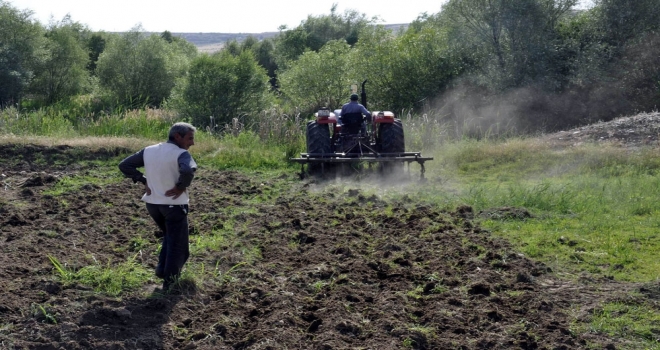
{"type": "Point", "coordinates": [335, 140]}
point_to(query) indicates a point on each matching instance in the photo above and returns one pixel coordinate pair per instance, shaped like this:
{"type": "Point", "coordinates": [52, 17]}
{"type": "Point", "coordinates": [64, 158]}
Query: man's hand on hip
{"type": "Point", "coordinates": [174, 192]}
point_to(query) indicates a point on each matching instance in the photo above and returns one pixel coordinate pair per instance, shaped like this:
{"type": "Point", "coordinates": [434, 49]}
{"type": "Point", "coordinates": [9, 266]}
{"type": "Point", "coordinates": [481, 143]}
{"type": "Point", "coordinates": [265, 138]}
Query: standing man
{"type": "Point", "coordinates": [169, 170]}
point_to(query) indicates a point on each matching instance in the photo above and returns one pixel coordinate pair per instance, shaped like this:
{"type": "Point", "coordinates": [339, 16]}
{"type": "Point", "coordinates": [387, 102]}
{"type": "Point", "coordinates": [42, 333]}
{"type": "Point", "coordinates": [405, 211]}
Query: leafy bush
{"type": "Point", "coordinates": [141, 70]}
{"type": "Point", "coordinates": [222, 86]}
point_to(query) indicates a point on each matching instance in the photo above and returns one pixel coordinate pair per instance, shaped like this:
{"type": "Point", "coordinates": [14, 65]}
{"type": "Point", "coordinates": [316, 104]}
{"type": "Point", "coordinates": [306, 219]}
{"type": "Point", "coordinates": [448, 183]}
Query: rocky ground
{"type": "Point", "coordinates": [303, 267]}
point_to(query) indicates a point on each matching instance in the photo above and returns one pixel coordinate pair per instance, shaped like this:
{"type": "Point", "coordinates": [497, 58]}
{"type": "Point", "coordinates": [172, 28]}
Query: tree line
{"type": "Point", "coordinates": [524, 64]}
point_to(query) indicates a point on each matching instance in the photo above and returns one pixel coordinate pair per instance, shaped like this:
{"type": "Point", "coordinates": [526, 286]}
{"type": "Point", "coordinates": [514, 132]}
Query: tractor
{"type": "Point", "coordinates": [338, 142]}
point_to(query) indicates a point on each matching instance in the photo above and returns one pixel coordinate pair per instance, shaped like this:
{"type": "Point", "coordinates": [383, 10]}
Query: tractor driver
{"type": "Point", "coordinates": [351, 114]}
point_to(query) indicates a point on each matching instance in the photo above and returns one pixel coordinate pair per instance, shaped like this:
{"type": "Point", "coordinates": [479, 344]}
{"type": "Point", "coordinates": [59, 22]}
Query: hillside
{"type": "Point", "coordinates": [211, 42]}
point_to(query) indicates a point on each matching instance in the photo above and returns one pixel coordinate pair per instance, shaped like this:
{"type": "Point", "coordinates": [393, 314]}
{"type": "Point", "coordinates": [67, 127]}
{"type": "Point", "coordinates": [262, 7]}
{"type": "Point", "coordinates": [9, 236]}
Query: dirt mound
{"type": "Point", "coordinates": [294, 269]}
{"type": "Point", "coordinates": [638, 130]}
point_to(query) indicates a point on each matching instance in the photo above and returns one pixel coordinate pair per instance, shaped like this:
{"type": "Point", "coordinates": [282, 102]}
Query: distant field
{"type": "Point", "coordinates": [210, 48]}
{"type": "Point", "coordinates": [203, 39]}
{"type": "Point", "coordinates": [212, 42]}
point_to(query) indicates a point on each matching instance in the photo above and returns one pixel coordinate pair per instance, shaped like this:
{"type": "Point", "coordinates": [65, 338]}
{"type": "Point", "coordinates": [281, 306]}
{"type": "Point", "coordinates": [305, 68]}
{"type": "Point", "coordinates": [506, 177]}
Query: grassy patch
{"type": "Point", "coordinates": [82, 183]}
{"type": "Point", "coordinates": [56, 122]}
{"type": "Point", "coordinates": [109, 279]}
{"type": "Point", "coordinates": [247, 151]}
{"type": "Point", "coordinates": [594, 208]}
{"type": "Point", "coordinates": [628, 321]}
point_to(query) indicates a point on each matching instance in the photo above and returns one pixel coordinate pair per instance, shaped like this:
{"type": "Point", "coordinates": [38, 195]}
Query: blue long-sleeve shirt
{"type": "Point", "coordinates": [355, 107]}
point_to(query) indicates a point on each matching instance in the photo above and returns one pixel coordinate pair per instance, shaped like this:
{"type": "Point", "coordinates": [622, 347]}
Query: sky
{"type": "Point", "coordinates": [215, 16]}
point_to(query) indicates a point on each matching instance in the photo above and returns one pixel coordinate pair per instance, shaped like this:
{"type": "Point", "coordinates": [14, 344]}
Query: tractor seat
{"type": "Point", "coordinates": [351, 123]}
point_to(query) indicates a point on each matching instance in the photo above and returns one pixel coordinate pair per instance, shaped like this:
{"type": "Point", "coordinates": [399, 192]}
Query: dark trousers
{"type": "Point", "coordinates": [173, 221]}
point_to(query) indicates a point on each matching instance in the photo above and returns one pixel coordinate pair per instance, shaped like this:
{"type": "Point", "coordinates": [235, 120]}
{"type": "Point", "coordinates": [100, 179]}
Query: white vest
{"type": "Point", "coordinates": [161, 168]}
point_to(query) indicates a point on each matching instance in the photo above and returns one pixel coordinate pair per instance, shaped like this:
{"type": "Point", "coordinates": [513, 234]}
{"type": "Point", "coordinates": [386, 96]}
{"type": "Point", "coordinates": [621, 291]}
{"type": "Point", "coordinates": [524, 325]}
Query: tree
{"type": "Point", "coordinates": [249, 43]}
{"type": "Point", "coordinates": [233, 48]}
{"type": "Point", "coordinates": [264, 52]}
{"type": "Point", "coordinates": [624, 20]}
{"type": "Point", "coordinates": [610, 55]}
{"type": "Point", "coordinates": [20, 49]}
{"type": "Point", "coordinates": [139, 69]}
{"type": "Point", "coordinates": [222, 86]}
{"type": "Point", "coordinates": [630, 31]}
{"type": "Point", "coordinates": [404, 71]}
{"type": "Point", "coordinates": [95, 46]}
{"type": "Point", "coordinates": [62, 73]}
{"type": "Point", "coordinates": [289, 45]}
{"type": "Point", "coordinates": [167, 36]}
{"type": "Point", "coordinates": [315, 32]}
{"type": "Point", "coordinates": [639, 73]}
{"type": "Point", "coordinates": [323, 29]}
{"type": "Point", "coordinates": [517, 34]}
{"type": "Point", "coordinates": [318, 79]}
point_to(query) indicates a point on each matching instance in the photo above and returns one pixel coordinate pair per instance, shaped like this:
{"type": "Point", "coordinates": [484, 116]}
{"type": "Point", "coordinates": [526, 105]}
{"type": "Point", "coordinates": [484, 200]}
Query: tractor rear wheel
{"type": "Point", "coordinates": [392, 141]}
{"type": "Point", "coordinates": [318, 141]}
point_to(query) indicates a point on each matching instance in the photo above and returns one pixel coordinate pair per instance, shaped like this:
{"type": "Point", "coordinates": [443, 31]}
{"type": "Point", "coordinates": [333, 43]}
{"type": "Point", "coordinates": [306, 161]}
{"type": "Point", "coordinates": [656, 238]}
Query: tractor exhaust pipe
{"type": "Point", "coordinates": [363, 96]}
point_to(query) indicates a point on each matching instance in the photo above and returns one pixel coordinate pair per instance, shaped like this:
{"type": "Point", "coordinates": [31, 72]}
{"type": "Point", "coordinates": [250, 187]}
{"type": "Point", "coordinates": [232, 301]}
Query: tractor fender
{"type": "Point", "coordinates": [385, 117]}
{"type": "Point", "coordinates": [331, 119]}
{"type": "Point", "coordinates": [327, 120]}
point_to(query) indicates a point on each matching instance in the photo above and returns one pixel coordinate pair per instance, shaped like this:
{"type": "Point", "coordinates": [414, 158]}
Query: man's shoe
{"type": "Point", "coordinates": [159, 272]}
{"type": "Point", "coordinates": [171, 288]}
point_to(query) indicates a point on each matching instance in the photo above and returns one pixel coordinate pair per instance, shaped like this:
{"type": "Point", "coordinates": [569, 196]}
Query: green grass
{"type": "Point", "coordinates": [246, 151]}
{"type": "Point", "coordinates": [44, 313]}
{"type": "Point", "coordinates": [54, 122]}
{"type": "Point", "coordinates": [110, 279]}
{"type": "Point", "coordinates": [636, 323]}
{"type": "Point", "coordinates": [216, 240]}
{"type": "Point", "coordinates": [84, 182]}
{"type": "Point", "coordinates": [595, 208]}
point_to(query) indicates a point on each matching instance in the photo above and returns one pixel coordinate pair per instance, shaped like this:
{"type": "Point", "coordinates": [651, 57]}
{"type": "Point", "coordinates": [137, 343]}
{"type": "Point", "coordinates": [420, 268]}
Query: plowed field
{"type": "Point", "coordinates": [295, 265]}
